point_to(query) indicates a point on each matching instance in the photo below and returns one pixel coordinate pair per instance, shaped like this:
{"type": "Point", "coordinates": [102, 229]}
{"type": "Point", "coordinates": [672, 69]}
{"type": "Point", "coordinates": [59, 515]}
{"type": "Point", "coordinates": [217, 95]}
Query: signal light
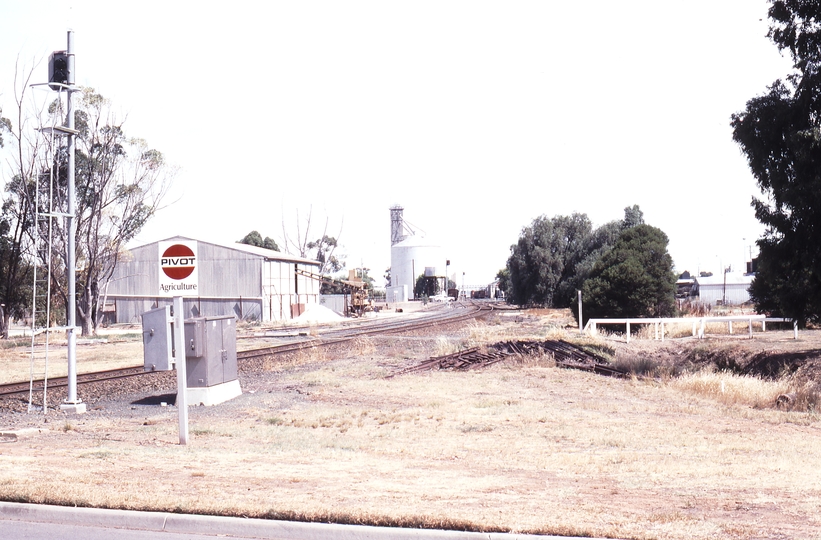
{"type": "Point", "coordinates": [58, 71]}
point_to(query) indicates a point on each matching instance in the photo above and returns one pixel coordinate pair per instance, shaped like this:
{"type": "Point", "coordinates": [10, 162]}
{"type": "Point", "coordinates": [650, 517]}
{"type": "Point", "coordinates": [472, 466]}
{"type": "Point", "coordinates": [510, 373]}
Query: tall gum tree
{"type": "Point", "coordinates": [120, 184]}
{"type": "Point", "coordinates": [544, 258]}
{"type": "Point", "coordinates": [554, 256]}
{"type": "Point", "coordinates": [16, 212]}
{"type": "Point", "coordinates": [779, 133]}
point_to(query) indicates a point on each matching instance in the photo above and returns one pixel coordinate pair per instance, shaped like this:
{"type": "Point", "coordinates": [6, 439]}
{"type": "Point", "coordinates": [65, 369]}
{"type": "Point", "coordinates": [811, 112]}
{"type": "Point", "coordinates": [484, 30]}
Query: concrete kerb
{"type": "Point", "coordinates": [95, 517]}
{"type": "Point", "coordinates": [216, 525]}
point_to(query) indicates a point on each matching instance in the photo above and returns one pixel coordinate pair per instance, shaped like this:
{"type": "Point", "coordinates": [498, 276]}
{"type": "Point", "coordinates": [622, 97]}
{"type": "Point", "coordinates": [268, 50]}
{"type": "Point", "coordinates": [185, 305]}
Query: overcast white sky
{"type": "Point", "coordinates": [475, 116]}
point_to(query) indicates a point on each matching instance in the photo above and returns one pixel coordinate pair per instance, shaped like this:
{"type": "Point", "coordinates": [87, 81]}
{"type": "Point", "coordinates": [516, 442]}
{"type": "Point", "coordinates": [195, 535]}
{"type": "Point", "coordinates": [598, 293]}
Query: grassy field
{"type": "Point", "coordinates": [522, 446]}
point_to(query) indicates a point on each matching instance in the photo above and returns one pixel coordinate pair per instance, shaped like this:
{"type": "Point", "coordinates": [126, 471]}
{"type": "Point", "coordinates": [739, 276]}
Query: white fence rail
{"type": "Point", "coordinates": [698, 324]}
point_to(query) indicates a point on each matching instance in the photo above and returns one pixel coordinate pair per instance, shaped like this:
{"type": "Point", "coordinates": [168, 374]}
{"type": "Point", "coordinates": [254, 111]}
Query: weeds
{"type": "Point", "coordinates": [13, 343]}
{"type": "Point", "coordinates": [476, 429]}
{"type": "Point", "coordinates": [311, 354]}
{"type": "Point", "coordinates": [445, 346]}
{"type": "Point", "coordinates": [99, 454]}
{"type": "Point", "coordinates": [722, 358]}
{"type": "Point", "coordinates": [639, 366]}
{"type": "Point", "coordinates": [363, 346]}
{"type": "Point", "coordinates": [731, 389]}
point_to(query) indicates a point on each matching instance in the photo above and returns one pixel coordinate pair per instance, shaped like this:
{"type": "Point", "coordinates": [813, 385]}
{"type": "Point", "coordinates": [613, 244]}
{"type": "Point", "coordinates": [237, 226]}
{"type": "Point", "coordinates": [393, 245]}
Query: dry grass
{"type": "Point", "coordinates": [92, 355]}
{"type": "Point", "coordinates": [683, 330]}
{"type": "Point", "coordinates": [731, 389]}
{"type": "Point", "coordinates": [514, 448]}
{"type": "Point", "coordinates": [518, 447]}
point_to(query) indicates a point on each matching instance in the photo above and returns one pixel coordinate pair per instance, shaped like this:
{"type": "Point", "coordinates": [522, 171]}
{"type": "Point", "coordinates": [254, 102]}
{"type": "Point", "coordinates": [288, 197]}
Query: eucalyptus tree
{"type": "Point", "coordinates": [16, 208]}
{"type": "Point", "coordinates": [253, 238]}
{"type": "Point", "coordinates": [544, 258]}
{"type": "Point", "coordinates": [554, 256]}
{"type": "Point", "coordinates": [779, 133]}
{"type": "Point", "coordinates": [120, 183]}
{"type": "Point", "coordinates": [633, 279]}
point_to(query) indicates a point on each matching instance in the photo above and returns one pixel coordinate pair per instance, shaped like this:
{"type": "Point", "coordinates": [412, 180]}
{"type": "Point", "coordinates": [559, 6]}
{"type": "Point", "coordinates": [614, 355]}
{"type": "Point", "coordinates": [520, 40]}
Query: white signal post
{"type": "Point", "coordinates": [72, 404]}
{"type": "Point", "coordinates": [581, 329]}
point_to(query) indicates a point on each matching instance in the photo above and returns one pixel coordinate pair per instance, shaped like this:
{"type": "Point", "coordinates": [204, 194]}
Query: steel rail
{"type": "Point", "coordinates": [340, 336]}
{"type": "Point", "coordinates": [564, 354]}
{"type": "Point", "coordinates": [82, 378]}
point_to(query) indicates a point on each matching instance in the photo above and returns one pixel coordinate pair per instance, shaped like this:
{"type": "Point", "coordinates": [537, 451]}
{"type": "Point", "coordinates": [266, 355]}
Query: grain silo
{"type": "Point", "coordinates": [412, 255]}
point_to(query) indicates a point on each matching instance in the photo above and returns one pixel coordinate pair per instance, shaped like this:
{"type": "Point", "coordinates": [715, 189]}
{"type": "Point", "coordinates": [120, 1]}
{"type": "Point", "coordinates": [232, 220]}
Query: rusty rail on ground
{"type": "Point", "coordinates": [565, 355]}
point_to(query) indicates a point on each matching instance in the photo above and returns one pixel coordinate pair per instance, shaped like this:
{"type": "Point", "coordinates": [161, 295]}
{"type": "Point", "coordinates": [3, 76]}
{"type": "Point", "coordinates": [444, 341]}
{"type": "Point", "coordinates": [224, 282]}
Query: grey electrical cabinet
{"type": "Point", "coordinates": [157, 340]}
{"type": "Point", "coordinates": [210, 351]}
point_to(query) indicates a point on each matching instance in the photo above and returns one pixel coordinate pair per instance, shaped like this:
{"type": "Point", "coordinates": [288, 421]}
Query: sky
{"type": "Point", "coordinates": [477, 117]}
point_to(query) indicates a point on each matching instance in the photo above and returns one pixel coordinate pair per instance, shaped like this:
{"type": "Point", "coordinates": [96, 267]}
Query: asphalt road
{"type": "Point", "coordinates": [31, 521]}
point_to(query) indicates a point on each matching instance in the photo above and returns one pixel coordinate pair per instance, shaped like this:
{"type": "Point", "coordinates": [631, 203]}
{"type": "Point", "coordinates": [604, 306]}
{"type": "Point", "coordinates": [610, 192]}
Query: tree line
{"type": "Point", "coordinates": [622, 268]}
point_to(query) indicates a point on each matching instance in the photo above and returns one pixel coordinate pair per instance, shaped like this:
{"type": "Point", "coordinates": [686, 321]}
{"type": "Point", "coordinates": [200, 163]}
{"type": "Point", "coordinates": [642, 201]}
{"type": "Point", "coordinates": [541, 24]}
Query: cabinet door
{"type": "Point", "coordinates": [229, 348]}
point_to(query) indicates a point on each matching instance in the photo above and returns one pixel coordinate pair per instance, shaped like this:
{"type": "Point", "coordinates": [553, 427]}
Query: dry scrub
{"type": "Point", "coordinates": [522, 446]}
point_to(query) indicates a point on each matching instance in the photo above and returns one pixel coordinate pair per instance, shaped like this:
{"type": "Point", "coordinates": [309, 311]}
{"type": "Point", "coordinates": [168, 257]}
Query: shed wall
{"type": "Point", "coordinates": [231, 282]}
{"type": "Point", "coordinates": [735, 293]}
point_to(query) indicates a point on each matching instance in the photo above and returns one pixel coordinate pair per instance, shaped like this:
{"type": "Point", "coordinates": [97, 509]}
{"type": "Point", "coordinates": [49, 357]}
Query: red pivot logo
{"type": "Point", "coordinates": [177, 262]}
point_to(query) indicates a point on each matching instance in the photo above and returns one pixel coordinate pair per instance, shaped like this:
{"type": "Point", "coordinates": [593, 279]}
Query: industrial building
{"type": "Point", "coordinates": [412, 255]}
{"type": "Point", "coordinates": [249, 282]}
{"type": "Point", "coordinates": [730, 288]}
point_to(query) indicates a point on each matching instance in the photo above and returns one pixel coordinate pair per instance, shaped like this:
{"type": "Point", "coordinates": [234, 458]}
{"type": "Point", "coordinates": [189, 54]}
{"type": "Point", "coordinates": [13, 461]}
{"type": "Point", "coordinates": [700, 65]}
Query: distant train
{"type": "Point", "coordinates": [491, 291]}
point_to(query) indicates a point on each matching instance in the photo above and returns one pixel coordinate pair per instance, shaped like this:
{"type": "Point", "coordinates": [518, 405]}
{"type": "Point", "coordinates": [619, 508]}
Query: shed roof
{"type": "Point", "coordinates": [733, 278]}
{"type": "Point", "coordinates": [267, 254]}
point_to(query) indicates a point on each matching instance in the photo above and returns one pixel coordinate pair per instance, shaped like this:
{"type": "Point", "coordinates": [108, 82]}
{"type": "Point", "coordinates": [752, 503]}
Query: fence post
{"type": "Point", "coordinates": [628, 331]}
{"type": "Point", "coordinates": [579, 292]}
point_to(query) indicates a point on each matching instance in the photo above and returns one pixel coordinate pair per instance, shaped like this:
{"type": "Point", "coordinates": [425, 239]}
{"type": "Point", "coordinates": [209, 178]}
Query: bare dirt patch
{"type": "Point", "coordinates": [519, 446]}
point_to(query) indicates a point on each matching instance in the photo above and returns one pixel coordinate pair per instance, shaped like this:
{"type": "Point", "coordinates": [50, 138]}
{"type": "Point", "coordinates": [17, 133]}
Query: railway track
{"type": "Point", "coordinates": [445, 315]}
{"type": "Point", "coordinates": [324, 337]}
{"type": "Point", "coordinates": [61, 382]}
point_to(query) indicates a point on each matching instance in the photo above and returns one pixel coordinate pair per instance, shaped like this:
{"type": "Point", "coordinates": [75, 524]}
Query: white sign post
{"type": "Point", "coordinates": [178, 277]}
{"type": "Point", "coordinates": [179, 364]}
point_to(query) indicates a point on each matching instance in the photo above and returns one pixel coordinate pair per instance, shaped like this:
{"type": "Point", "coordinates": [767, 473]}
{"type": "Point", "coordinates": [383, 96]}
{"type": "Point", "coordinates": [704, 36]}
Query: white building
{"type": "Point", "coordinates": [731, 288]}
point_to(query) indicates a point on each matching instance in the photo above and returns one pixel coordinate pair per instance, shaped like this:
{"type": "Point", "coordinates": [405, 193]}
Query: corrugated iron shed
{"type": "Point", "coordinates": [247, 281]}
{"type": "Point", "coordinates": [715, 289]}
